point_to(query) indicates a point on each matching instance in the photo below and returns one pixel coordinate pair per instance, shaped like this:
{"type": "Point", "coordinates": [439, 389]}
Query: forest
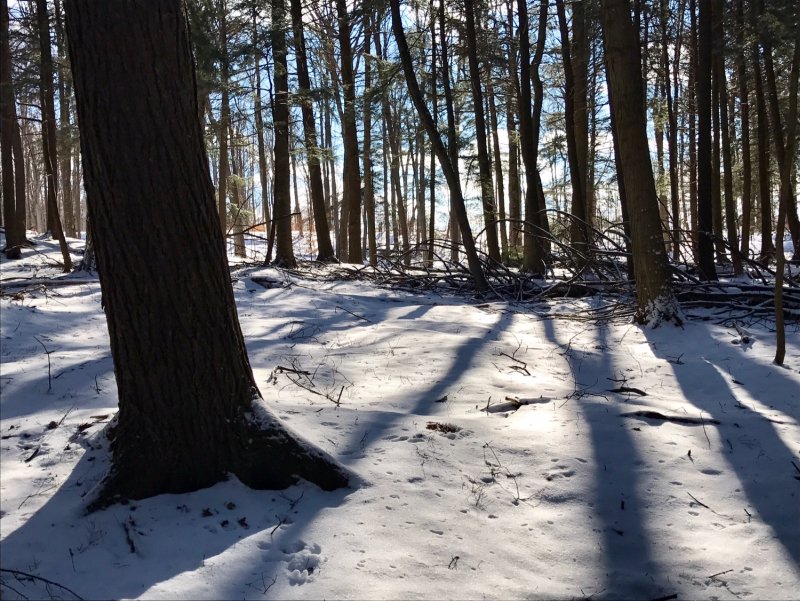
{"type": "Point", "coordinates": [369, 299]}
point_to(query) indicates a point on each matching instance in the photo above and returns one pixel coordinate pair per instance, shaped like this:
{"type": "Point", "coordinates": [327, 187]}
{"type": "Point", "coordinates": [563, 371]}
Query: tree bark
{"type": "Point", "coordinates": [656, 302]}
{"type": "Point", "coordinates": [189, 409]}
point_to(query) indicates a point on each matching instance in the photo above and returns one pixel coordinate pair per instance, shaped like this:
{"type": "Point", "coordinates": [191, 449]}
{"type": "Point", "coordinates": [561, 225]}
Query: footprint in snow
{"type": "Point", "coordinates": [302, 561]}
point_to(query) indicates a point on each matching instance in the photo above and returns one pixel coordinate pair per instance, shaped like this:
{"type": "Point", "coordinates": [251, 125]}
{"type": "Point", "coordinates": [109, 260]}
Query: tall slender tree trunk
{"type": "Point", "coordinates": [262, 151]}
{"type": "Point", "coordinates": [324, 246]}
{"type": "Point", "coordinates": [369, 184]}
{"type": "Point", "coordinates": [64, 130]}
{"type": "Point", "coordinates": [224, 119]}
{"type": "Point", "coordinates": [744, 115]}
{"type": "Point", "coordinates": [475, 268]}
{"type": "Point", "coordinates": [514, 192]}
{"type": "Point", "coordinates": [576, 117]}
{"type": "Point", "coordinates": [484, 163]}
{"type": "Point", "coordinates": [47, 99]}
{"type": "Point", "coordinates": [452, 138]}
{"type": "Point", "coordinates": [535, 251]}
{"type": "Point", "coordinates": [498, 172]}
{"type": "Point", "coordinates": [765, 202]}
{"type": "Point", "coordinates": [656, 302]}
{"type": "Point", "coordinates": [281, 184]}
{"type": "Point", "coordinates": [13, 184]}
{"type": "Point", "coordinates": [705, 201]}
{"type": "Point", "coordinates": [351, 196]}
{"type": "Point", "coordinates": [727, 160]}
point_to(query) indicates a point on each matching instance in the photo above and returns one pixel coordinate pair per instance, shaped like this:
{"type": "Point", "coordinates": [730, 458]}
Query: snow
{"type": "Point", "coordinates": [502, 450]}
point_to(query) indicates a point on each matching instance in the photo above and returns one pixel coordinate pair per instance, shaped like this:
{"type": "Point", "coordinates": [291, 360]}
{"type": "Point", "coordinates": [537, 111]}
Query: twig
{"type": "Point", "coordinates": [524, 365]}
{"type": "Point", "coordinates": [299, 372]}
{"type": "Point", "coordinates": [20, 574]}
{"type": "Point", "coordinates": [703, 423]}
{"type": "Point", "coordinates": [666, 597]}
{"type": "Point", "coordinates": [49, 376]}
{"type": "Point", "coordinates": [628, 389]}
{"type": "Point", "coordinates": [719, 574]}
{"type": "Point", "coordinates": [351, 313]}
{"type": "Point", "coordinates": [698, 502]}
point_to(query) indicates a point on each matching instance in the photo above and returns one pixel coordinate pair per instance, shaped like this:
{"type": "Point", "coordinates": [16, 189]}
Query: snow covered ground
{"type": "Point", "coordinates": [506, 451]}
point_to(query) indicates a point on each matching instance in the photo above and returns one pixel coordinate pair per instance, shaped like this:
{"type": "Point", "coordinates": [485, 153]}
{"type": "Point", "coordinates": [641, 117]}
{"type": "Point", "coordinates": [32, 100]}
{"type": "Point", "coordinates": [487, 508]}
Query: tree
{"type": "Point", "coordinates": [10, 149]}
{"type": "Point", "coordinates": [324, 246]}
{"type": "Point", "coordinates": [484, 165]}
{"type": "Point", "coordinates": [351, 194]}
{"type": "Point", "coordinates": [442, 154]}
{"type": "Point", "coordinates": [189, 408]}
{"type": "Point", "coordinates": [656, 302]}
{"type": "Point", "coordinates": [281, 194]}
{"type": "Point", "coordinates": [47, 99]}
{"type": "Point", "coordinates": [705, 259]}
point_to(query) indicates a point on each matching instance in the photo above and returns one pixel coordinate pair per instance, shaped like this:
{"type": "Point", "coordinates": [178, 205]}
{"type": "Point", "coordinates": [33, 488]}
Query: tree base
{"type": "Point", "coordinates": [265, 456]}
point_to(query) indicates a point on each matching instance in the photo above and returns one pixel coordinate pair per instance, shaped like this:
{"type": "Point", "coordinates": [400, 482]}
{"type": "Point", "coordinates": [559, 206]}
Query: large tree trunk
{"type": "Point", "coordinates": [281, 191]}
{"type": "Point", "coordinates": [436, 141]}
{"type": "Point", "coordinates": [655, 299]}
{"type": "Point", "coordinates": [514, 192]}
{"type": "Point", "coordinates": [324, 246]}
{"type": "Point", "coordinates": [484, 164]}
{"type": "Point", "coordinates": [189, 409]}
{"type": "Point", "coordinates": [47, 99]}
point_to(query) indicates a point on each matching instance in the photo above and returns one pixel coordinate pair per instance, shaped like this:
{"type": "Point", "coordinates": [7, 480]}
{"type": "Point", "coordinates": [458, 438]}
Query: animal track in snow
{"type": "Point", "coordinates": [560, 471]}
{"type": "Point", "coordinates": [302, 561]}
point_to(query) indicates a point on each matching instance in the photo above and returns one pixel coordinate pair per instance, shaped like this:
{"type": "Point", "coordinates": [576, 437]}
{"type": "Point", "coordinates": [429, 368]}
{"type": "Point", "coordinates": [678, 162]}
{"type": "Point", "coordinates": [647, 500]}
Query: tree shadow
{"type": "Point", "coordinates": [752, 439]}
{"type": "Point", "coordinates": [145, 543]}
{"type": "Point", "coordinates": [620, 482]}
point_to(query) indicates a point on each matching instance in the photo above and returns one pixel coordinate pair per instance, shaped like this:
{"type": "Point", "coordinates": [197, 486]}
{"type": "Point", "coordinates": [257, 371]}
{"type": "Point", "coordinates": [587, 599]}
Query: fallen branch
{"type": "Point", "coordinates": [21, 576]}
{"type": "Point", "coordinates": [678, 419]}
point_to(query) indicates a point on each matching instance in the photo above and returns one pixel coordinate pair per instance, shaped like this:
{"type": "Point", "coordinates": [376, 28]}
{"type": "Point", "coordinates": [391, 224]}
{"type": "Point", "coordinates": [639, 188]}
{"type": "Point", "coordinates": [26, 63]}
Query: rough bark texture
{"type": "Point", "coordinates": [653, 290]}
{"type": "Point", "coordinates": [324, 245]}
{"type": "Point", "coordinates": [189, 412]}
